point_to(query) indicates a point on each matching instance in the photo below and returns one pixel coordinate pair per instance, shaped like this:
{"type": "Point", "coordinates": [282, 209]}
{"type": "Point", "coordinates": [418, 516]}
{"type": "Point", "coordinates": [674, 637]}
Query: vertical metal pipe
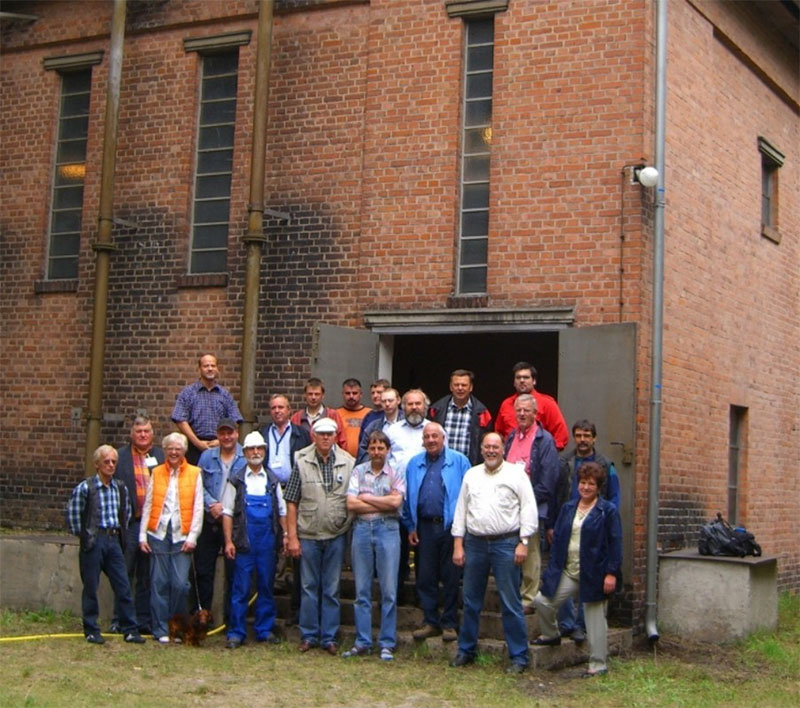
{"type": "Point", "coordinates": [104, 245]}
{"type": "Point", "coordinates": [658, 324]}
{"type": "Point", "coordinates": [254, 239]}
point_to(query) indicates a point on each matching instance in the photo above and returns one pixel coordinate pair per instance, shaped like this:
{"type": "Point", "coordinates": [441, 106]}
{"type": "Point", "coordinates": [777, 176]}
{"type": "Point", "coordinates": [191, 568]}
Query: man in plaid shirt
{"type": "Point", "coordinates": [98, 512]}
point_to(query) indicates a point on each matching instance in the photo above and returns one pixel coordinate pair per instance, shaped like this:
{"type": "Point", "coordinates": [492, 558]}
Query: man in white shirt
{"type": "Point", "coordinates": [494, 519]}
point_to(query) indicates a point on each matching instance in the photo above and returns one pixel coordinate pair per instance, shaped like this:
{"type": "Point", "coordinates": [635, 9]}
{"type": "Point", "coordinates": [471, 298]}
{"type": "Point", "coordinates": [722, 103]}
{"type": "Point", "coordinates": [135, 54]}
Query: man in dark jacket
{"type": "Point", "coordinates": [136, 462]}
{"type": "Point", "coordinates": [531, 446]}
{"type": "Point", "coordinates": [464, 418]}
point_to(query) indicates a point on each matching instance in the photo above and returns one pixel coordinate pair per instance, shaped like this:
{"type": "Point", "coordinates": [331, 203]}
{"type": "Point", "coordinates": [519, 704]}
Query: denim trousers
{"type": "Point", "coordinates": [138, 567]}
{"type": "Point", "coordinates": [209, 544]}
{"type": "Point", "coordinates": [169, 581]}
{"type": "Point", "coordinates": [376, 550]}
{"type": "Point", "coordinates": [320, 573]}
{"type": "Point", "coordinates": [483, 556]}
{"type": "Point", "coordinates": [106, 556]}
{"type": "Point", "coordinates": [434, 565]}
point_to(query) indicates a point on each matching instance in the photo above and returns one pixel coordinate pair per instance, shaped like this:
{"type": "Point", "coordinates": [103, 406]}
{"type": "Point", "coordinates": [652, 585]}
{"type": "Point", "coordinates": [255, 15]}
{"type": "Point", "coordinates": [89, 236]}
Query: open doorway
{"type": "Point", "coordinates": [426, 360]}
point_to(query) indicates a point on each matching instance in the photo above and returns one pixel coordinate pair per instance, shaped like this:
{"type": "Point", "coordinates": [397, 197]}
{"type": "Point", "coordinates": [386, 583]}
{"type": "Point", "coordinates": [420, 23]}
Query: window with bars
{"type": "Point", "coordinates": [736, 444]}
{"type": "Point", "coordinates": [772, 160]}
{"type": "Point", "coordinates": [214, 163]}
{"type": "Point", "coordinates": [68, 175]}
{"type": "Point", "coordinates": [476, 141]}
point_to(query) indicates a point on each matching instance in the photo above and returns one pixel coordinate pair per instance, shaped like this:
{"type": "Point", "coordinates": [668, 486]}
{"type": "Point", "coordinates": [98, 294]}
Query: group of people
{"type": "Point", "coordinates": [471, 495]}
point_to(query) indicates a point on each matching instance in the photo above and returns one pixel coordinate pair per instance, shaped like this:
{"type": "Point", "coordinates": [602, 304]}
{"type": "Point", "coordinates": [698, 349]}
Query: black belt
{"type": "Point", "coordinates": [499, 537]}
{"type": "Point", "coordinates": [433, 519]}
{"type": "Point", "coordinates": [108, 532]}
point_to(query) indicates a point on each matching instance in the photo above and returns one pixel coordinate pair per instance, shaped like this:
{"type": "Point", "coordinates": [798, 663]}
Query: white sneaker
{"type": "Point", "coordinates": [387, 654]}
{"type": "Point", "coordinates": [163, 640]}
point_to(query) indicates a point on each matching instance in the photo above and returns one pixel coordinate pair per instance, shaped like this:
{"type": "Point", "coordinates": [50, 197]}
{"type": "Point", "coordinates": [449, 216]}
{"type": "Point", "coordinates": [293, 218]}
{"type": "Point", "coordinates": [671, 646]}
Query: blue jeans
{"type": "Point", "coordinates": [376, 549]}
{"type": "Point", "coordinates": [434, 565]}
{"type": "Point", "coordinates": [106, 556]}
{"type": "Point", "coordinates": [568, 622]}
{"type": "Point", "coordinates": [482, 557]}
{"type": "Point", "coordinates": [320, 572]}
{"type": "Point", "coordinates": [138, 566]}
{"type": "Point", "coordinates": [169, 581]}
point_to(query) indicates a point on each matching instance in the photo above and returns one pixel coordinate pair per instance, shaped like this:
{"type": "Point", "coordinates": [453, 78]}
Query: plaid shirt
{"type": "Point", "coordinates": [107, 501]}
{"type": "Point", "coordinates": [202, 409]}
{"type": "Point", "coordinates": [364, 481]}
{"type": "Point", "coordinates": [294, 490]}
{"type": "Point", "coordinates": [456, 425]}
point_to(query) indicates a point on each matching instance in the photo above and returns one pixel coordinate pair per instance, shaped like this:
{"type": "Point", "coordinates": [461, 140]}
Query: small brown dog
{"type": "Point", "coordinates": [190, 629]}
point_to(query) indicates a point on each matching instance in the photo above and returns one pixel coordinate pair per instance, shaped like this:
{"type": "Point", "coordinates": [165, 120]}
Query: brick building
{"type": "Point", "coordinates": [448, 184]}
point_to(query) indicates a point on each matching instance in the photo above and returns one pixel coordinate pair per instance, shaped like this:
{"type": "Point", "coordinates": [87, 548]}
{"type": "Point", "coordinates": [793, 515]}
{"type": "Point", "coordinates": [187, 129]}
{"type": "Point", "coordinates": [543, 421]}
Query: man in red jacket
{"type": "Point", "coordinates": [549, 414]}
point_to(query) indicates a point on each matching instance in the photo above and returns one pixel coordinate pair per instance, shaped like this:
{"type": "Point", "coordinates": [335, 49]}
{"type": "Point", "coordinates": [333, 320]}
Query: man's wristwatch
{"type": "Point", "coordinates": [524, 541]}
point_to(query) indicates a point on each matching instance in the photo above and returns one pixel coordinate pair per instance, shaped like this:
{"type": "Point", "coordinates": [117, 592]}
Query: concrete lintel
{"type": "Point", "coordinates": [469, 320]}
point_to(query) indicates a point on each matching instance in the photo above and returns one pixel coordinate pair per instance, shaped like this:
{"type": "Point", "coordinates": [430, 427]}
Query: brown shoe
{"type": "Point", "coordinates": [449, 634]}
{"type": "Point", "coordinates": [426, 631]}
{"type": "Point", "coordinates": [305, 645]}
{"type": "Point", "coordinates": [332, 648]}
{"type": "Point", "coordinates": [529, 609]}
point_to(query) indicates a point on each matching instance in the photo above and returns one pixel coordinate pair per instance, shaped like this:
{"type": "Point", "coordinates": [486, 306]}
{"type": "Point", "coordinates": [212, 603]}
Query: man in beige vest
{"type": "Point", "coordinates": [317, 519]}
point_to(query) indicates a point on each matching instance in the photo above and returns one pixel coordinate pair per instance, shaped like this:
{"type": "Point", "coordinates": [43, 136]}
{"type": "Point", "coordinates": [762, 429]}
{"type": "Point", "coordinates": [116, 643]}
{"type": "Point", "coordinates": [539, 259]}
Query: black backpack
{"type": "Point", "coordinates": [719, 538]}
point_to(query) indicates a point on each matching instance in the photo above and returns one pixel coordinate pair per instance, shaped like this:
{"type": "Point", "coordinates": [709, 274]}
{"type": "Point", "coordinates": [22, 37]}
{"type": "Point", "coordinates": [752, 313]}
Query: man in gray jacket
{"type": "Point", "coordinates": [317, 519]}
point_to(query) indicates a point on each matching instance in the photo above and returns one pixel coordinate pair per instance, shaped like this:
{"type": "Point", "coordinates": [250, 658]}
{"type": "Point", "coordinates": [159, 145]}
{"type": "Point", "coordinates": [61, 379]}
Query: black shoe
{"type": "Point", "coordinates": [545, 642]}
{"type": "Point", "coordinates": [145, 630]}
{"type": "Point", "coordinates": [462, 659]}
{"type": "Point", "coordinates": [516, 668]}
{"type": "Point", "coordinates": [592, 674]}
{"type": "Point", "coordinates": [269, 639]}
{"type": "Point", "coordinates": [233, 643]}
{"type": "Point", "coordinates": [134, 638]}
{"type": "Point", "coordinates": [115, 628]}
{"type": "Point", "coordinates": [578, 635]}
{"type": "Point", "coordinates": [95, 638]}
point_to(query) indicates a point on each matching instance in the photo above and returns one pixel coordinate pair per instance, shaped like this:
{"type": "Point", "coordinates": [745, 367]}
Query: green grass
{"type": "Point", "coordinates": [763, 671]}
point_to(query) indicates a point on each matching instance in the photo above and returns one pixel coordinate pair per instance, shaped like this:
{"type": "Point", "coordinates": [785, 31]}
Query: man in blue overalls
{"type": "Point", "coordinates": [254, 528]}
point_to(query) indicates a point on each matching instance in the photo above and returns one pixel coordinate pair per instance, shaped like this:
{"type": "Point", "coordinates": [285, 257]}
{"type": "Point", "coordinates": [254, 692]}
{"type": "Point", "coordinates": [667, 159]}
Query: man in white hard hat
{"type": "Point", "coordinates": [254, 527]}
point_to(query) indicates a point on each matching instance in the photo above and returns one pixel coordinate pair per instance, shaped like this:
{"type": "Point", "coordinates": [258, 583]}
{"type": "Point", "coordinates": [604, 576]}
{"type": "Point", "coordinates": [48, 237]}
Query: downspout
{"type": "Point", "coordinates": [658, 324]}
{"type": "Point", "coordinates": [254, 238]}
{"type": "Point", "coordinates": [104, 244]}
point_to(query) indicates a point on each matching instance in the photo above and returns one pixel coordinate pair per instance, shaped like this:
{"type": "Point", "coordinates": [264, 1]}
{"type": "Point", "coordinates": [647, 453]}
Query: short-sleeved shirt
{"type": "Point", "coordinates": [203, 408]}
{"type": "Point", "coordinates": [364, 481]}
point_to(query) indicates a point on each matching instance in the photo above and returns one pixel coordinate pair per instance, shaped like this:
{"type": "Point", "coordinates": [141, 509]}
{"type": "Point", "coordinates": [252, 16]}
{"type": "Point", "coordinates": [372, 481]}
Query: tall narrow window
{"type": "Point", "coordinates": [68, 177]}
{"type": "Point", "coordinates": [736, 444]}
{"type": "Point", "coordinates": [476, 142]}
{"type": "Point", "coordinates": [214, 160]}
{"type": "Point", "coordinates": [772, 160]}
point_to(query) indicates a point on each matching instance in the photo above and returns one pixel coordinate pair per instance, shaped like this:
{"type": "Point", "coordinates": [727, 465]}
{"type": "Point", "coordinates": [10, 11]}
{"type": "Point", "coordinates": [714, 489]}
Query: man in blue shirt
{"type": "Point", "coordinates": [199, 407]}
{"type": "Point", "coordinates": [98, 512]}
{"type": "Point", "coordinates": [433, 481]}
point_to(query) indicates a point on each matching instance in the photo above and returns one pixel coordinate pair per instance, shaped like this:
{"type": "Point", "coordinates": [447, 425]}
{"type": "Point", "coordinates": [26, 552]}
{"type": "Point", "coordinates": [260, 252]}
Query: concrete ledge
{"type": "Point", "coordinates": [716, 598]}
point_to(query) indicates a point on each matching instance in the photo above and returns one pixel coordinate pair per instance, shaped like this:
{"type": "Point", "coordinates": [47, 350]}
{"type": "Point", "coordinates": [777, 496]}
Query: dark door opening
{"type": "Point", "coordinates": [426, 360]}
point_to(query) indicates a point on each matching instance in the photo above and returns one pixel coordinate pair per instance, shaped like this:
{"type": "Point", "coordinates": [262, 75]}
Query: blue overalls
{"type": "Point", "coordinates": [261, 558]}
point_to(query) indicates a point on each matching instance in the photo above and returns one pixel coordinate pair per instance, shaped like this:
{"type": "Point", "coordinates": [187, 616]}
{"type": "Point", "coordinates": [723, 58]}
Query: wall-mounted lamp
{"type": "Point", "coordinates": [646, 176]}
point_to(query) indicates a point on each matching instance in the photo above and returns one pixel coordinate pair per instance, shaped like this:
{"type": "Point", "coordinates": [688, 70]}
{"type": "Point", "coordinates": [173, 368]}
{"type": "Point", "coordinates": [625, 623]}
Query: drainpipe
{"type": "Point", "coordinates": [104, 244]}
{"type": "Point", "coordinates": [254, 238]}
{"type": "Point", "coordinates": [657, 346]}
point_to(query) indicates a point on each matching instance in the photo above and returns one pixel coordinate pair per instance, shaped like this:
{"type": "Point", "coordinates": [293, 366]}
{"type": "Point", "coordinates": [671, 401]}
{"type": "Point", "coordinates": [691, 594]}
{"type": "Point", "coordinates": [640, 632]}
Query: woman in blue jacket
{"type": "Point", "coordinates": [585, 560]}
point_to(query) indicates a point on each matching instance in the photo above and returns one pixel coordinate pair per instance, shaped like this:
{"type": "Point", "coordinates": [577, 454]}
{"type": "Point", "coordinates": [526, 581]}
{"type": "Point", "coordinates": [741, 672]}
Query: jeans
{"type": "Point", "coordinates": [482, 557]}
{"type": "Point", "coordinates": [209, 544]}
{"type": "Point", "coordinates": [320, 572]}
{"type": "Point", "coordinates": [169, 581]}
{"type": "Point", "coordinates": [106, 556]}
{"type": "Point", "coordinates": [376, 549]}
{"type": "Point", "coordinates": [568, 621]}
{"type": "Point", "coordinates": [138, 567]}
{"type": "Point", "coordinates": [434, 564]}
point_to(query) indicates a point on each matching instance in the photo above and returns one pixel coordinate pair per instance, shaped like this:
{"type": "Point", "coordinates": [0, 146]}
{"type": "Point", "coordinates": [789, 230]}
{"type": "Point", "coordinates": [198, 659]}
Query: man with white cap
{"type": "Point", "coordinates": [254, 527]}
{"type": "Point", "coordinates": [317, 517]}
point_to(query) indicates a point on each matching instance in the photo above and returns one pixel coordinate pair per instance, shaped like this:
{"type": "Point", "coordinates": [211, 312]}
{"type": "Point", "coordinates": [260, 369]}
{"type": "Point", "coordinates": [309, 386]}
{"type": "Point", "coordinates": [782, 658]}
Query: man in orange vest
{"type": "Point", "coordinates": [172, 519]}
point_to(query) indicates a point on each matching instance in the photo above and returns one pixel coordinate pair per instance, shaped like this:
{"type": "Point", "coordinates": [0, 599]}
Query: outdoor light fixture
{"type": "Point", "coordinates": [646, 176]}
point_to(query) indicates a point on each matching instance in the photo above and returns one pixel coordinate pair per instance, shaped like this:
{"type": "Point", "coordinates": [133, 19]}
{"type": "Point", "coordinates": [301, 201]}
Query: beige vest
{"type": "Point", "coordinates": [322, 515]}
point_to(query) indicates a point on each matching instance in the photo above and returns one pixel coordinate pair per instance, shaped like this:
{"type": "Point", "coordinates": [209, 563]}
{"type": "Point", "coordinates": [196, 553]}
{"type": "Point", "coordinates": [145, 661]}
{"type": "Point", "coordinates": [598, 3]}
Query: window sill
{"type": "Point", "coordinates": [68, 285]}
{"type": "Point", "coordinates": [459, 302]}
{"type": "Point", "coordinates": [771, 233]}
{"type": "Point", "coordinates": [203, 280]}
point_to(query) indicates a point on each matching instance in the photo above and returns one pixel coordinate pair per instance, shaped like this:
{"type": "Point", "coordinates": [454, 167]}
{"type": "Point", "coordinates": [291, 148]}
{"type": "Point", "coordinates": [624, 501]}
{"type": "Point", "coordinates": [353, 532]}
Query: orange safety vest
{"type": "Point", "coordinates": [187, 481]}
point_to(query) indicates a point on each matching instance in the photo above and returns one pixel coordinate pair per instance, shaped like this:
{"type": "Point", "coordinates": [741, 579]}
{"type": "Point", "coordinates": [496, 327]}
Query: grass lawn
{"type": "Point", "coordinates": [762, 671]}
